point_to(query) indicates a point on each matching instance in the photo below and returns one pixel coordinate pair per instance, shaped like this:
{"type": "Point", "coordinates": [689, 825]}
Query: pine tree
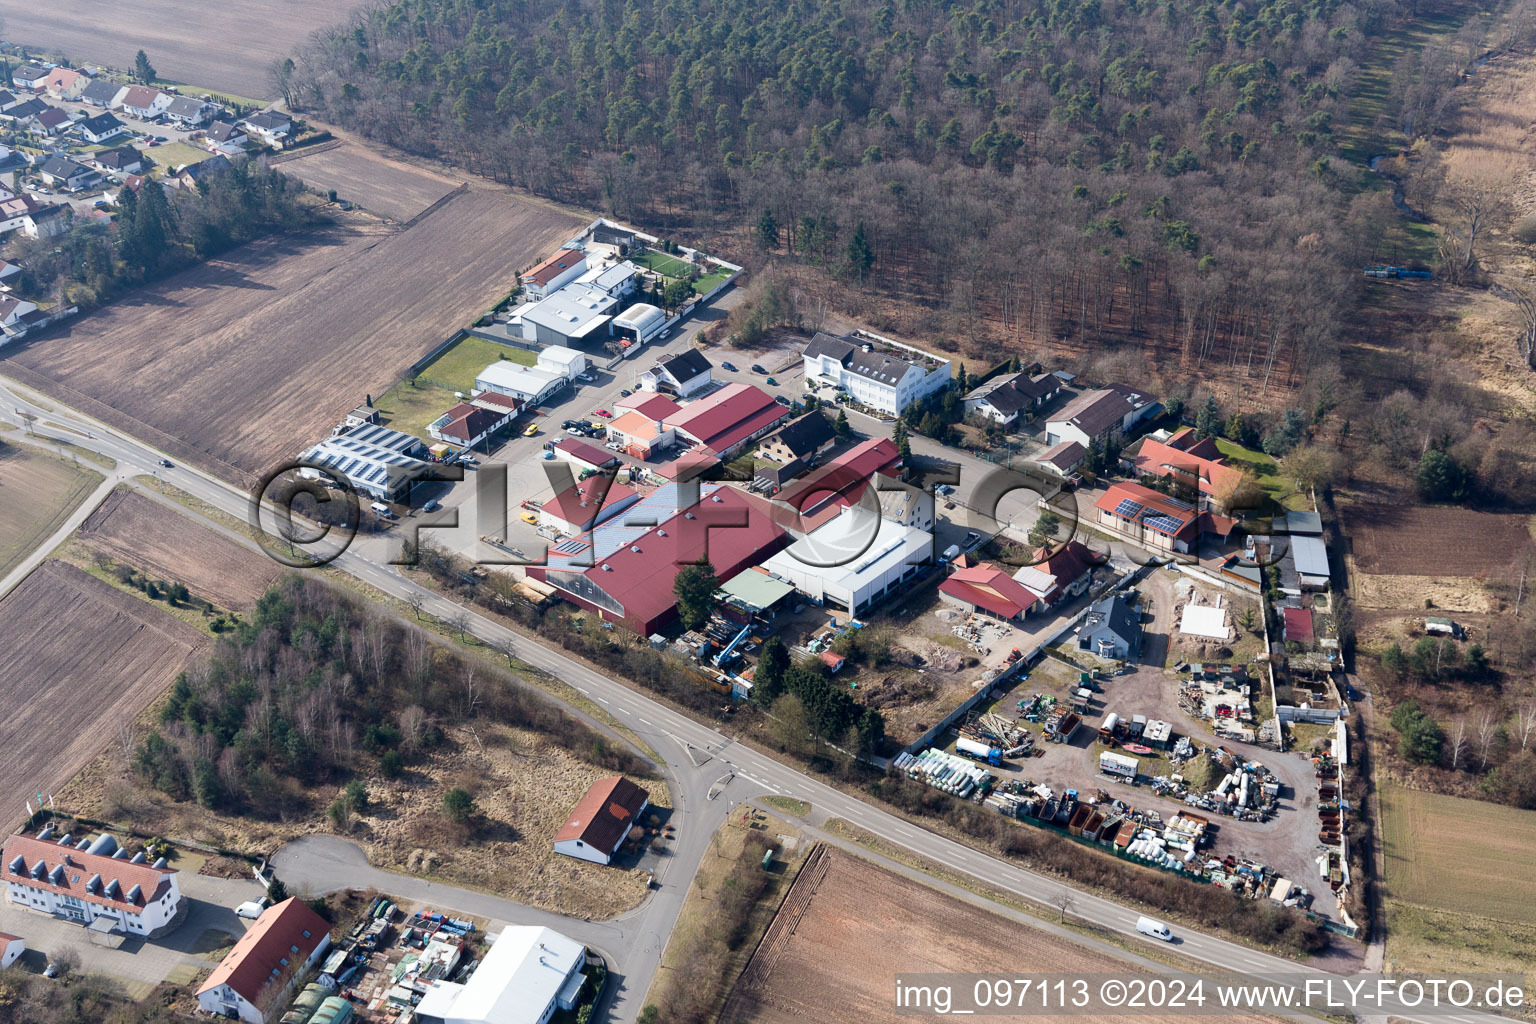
{"type": "Point", "coordinates": [1208, 419]}
{"type": "Point", "coordinates": [143, 70]}
{"type": "Point", "coordinates": [861, 255]}
{"type": "Point", "coordinates": [840, 426]}
{"type": "Point", "coordinates": [767, 230]}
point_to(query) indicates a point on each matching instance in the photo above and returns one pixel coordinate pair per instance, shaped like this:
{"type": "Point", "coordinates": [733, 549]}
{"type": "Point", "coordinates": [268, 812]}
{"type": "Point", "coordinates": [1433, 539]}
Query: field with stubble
{"type": "Point", "coordinates": [228, 47]}
{"type": "Point", "coordinates": [136, 530]}
{"type": "Point", "coordinates": [79, 659]}
{"type": "Point", "coordinates": [847, 929]}
{"type": "Point", "coordinates": [239, 364]}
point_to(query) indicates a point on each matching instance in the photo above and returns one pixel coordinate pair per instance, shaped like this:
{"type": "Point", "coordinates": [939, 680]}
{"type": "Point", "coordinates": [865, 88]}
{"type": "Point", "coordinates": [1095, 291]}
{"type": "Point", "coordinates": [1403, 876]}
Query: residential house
{"type": "Point", "coordinates": [8, 100]}
{"type": "Point", "coordinates": [987, 591]}
{"type": "Point", "coordinates": [17, 314]}
{"type": "Point", "coordinates": [270, 126]}
{"type": "Point", "coordinates": [51, 121]}
{"type": "Point", "coordinates": [728, 420]}
{"type": "Point", "coordinates": [190, 174]}
{"type": "Point", "coordinates": [1057, 577]}
{"type": "Point", "coordinates": [683, 375]}
{"type": "Point", "coordinates": [25, 111]}
{"type": "Point", "coordinates": [601, 820]}
{"type": "Point", "coordinates": [1196, 465]}
{"type": "Point", "coordinates": [554, 273]}
{"type": "Point", "coordinates": [1156, 521]}
{"type": "Point", "coordinates": [191, 111]}
{"type": "Point", "coordinates": [62, 172]}
{"type": "Point", "coordinates": [875, 372]}
{"type": "Point", "coordinates": [102, 93]}
{"type": "Point", "coordinates": [101, 128]}
{"type": "Point", "coordinates": [1005, 398]}
{"type": "Point", "coordinates": [803, 439]}
{"type": "Point", "coordinates": [91, 881]}
{"type": "Point", "coordinates": [266, 963]}
{"type": "Point", "coordinates": [1111, 629]}
{"type": "Point", "coordinates": [30, 77]}
{"type": "Point", "coordinates": [1100, 415]}
{"type": "Point", "coordinates": [617, 279]}
{"type": "Point", "coordinates": [467, 425]}
{"type": "Point", "coordinates": [65, 84]}
{"type": "Point", "coordinates": [145, 102]}
{"type": "Point", "coordinates": [11, 948]}
{"type": "Point", "coordinates": [122, 160]}
{"type": "Point", "coordinates": [32, 218]}
{"type": "Point", "coordinates": [9, 274]}
{"type": "Point", "coordinates": [223, 137]}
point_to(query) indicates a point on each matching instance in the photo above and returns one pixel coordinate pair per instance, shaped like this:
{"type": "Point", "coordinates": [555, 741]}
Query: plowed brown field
{"type": "Point", "coordinates": [1397, 540]}
{"type": "Point", "coordinates": [137, 531]}
{"type": "Point", "coordinates": [844, 933]}
{"type": "Point", "coordinates": [79, 659]}
{"type": "Point", "coordinates": [382, 184]}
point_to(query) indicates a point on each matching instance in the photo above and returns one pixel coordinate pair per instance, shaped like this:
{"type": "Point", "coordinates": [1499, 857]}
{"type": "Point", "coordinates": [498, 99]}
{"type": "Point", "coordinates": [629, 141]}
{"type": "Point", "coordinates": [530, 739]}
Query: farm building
{"type": "Point", "coordinates": [623, 568]}
{"type": "Point", "coordinates": [804, 438]}
{"type": "Point", "coordinates": [853, 560]}
{"type": "Point", "coordinates": [878, 373]}
{"type": "Point", "coordinates": [554, 273]}
{"type": "Point", "coordinates": [1005, 398]}
{"type": "Point", "coordinates": [250, 982]}
{"type": "Point", "coordinates": [983, 590]}
{"type": "Point", "coordinates": [683, 375]}
{"type": "Point", "coordinates": [91, 881]}
{"type": "Point", "coordinates": [728, 420]}
{"type": "Point", "coordinates": [1112, 629]}
{"type": "Point", "coordinates": [379, 462]}
{"type": "Point", "coordinates": [529, 385]}
{"type": "Point", "coordinates": [601, 820]}
{"type": "Point", "coordinates": [11, 948]}
{"type": "Point", "coordinates": [576, 508]}
{"type": "Point", "coordinates": [1099, 415]}
{"type": "Point", "coordinates": [528, 973]}
{"type": "Point", "coordinates": [639, 323]}
{"type": "Point", "coordinates": [575, 314]}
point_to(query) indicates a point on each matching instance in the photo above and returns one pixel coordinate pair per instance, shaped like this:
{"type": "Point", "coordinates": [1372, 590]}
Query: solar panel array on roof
{"type": "Point", "coordinates": [1128, 508]}
{"type": "Point", "coordinates": [1163, 524]}
{"type": "Point", "coordinates": [1183, 506]}
{"type": "Point", "coordinates": [383, 437]}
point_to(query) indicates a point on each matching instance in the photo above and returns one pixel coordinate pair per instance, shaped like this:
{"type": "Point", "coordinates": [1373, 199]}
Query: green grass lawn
{"type": "Point", "coordinates": [175, 154]}
{"type": "Point", "coordinates": [410, 407]}
{"type": "Point", "coordinates": [661, 263]}
{"type": "Point", "coordinates": [457, 368]}
{"type": "Point", "coordinates": [1275, 485]}
{"type": "Point", "coordinates": [709, 281]}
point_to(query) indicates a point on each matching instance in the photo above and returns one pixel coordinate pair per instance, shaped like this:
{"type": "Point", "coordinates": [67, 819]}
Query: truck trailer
{"type": "Point", "coordinates": [968, 747]}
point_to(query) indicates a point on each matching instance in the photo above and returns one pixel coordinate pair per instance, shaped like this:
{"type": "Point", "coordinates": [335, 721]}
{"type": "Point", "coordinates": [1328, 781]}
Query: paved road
{"type": "Point", "coordinates": [681, 742]}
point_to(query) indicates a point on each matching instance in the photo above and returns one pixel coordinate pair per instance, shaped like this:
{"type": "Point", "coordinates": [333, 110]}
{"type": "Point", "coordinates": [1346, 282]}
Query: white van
{"type": "Point", "coordinates": [382, 510]}
{"type": "Point", "coordinates": [1156, 929]}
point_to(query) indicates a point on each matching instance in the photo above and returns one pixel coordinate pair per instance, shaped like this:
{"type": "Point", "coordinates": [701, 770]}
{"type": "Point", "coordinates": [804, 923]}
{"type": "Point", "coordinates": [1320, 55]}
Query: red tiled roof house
{"type": "Point", "coordinates": [602, 819]}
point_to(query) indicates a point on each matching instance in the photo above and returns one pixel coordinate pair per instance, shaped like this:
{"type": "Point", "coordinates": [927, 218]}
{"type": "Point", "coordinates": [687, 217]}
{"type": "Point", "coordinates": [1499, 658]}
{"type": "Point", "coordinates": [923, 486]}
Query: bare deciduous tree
{"type": "Point", "coordinates": [1525, 720]}
{"type": "Point", "coordinates": [414, 601]}
{"type": "Point", "coordinates": [1064, 901]}
{"type": "Point", "coordinates": [1487, 732]}
{"type": "Point", "coordinates": [1458, 743]}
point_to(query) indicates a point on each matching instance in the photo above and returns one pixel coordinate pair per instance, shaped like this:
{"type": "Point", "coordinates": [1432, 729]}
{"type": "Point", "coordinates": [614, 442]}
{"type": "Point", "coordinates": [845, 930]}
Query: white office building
{"type": "Point", "coordinates": [531, 385]}
{"type": "Point", "coordinates": [528, 973]}
{"type": "Point", "coordinates": [877, 373]}
{"type": "Point", "coordinates": [853, 560]}
{"type": "Point", "coordinates": [91, 882]}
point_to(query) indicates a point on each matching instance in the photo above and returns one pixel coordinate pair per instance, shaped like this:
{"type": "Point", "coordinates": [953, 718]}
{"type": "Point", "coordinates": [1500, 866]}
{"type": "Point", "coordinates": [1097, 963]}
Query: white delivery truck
{"type": "Point", "coordinates": [1156, 929]}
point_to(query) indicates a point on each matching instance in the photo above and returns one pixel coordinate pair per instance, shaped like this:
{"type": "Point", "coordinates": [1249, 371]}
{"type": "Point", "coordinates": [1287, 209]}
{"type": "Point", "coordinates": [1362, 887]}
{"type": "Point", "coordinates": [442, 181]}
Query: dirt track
{"type": "Point", "coordinates": [241, 363]}
{"type": "Point", "coordinates": [137, 531]}
{"type": "Point", "coordinates": [228, 47]}
{"type": "Point", "coordinates": [79, 659]}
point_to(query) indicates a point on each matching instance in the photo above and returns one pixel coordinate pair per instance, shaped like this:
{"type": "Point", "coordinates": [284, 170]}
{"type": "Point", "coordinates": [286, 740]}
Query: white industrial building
{"type": "Point", "coordinates": [575, 313]}
{"type": "Point", "coordinates": [875, 372]}
{"type": "Point", "coordinates": [853, 560]}
{"type": "Point", "coordinates": [379, 462]}
{"type": "Point", "coordinates": [639, 323]}
{"type": "Point", "coordinates": [93, 883]}
{"type": "Point", "coordinates": [616, 279]}
{"type": "Point", "coordinates": [527, 974]}
{"type": "Point", "coordinates": [559, 359]}
{"type": "Point", "coordinates": [530, 385]}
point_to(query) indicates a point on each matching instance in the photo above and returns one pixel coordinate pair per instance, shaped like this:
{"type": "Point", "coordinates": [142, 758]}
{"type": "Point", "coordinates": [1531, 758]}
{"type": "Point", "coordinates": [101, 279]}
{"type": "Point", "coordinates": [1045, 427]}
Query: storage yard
{"type": "Point", "coordinates": [819, 960]}
{"type": "Point", "coordinates": [135, 530]}
{"type": "Point", "coordinates": [252, 356]}
{"type": "Point", "coordinates": [80, 659]}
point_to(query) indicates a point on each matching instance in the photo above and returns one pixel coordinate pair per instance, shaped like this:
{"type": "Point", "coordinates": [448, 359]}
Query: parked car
{"type": "Point", "coordinates": [781, 400]}
{"type": "Point", "coordinates": [614, 446]}
{"type": "Point", "coordinates": [431, 505]}
{"type": "Point", "coordinates": [529, 518]}
{"type": "Point", "coordinates": [467, 459]}
{"type": "Point", "coordinates": [533, 428]}
{"type": "Point", "coordinates": [625, 392]}
{"type": "Point", "coordinates": [567, 424]}
{"type": "Point", "coordinates": [549, 455]}
{"type": "Point", "coordinates": [757, 368]}
{"type": "Point", "coordinates": [51, 971]}
{"type": "Point", "coordinates": [771, 382]}
{"type": "Point", "coordinates": [600, 412]}
{"type": "Point", "coordinates": [728, 367]}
